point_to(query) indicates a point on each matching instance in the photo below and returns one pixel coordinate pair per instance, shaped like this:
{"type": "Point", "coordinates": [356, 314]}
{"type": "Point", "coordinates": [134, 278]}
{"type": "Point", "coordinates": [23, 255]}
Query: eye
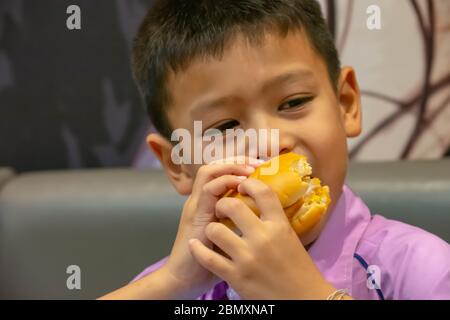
{"type": "Point", "coordinates": [226, 125]}
{"type": "Point", "coordinates": [295, 103]}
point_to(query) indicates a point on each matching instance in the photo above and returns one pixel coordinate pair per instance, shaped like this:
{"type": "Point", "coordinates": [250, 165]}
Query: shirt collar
{"type": "Point", "coordinates": [333, 250]}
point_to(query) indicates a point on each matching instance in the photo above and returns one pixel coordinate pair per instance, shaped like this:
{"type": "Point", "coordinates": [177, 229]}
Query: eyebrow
{"type": "Point", "coordinates": [304, 75]}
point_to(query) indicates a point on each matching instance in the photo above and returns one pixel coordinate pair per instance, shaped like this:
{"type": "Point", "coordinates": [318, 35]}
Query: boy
{"type": "Point", "coordinates": [267, 65]}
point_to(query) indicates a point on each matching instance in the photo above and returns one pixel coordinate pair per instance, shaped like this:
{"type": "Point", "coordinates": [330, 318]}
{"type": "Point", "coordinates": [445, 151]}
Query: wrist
{"type": "Point", "coordinates": [339, 294]}
{"type": "Point", "coordinates": [174, 288]}
{"type": "Point", "coordinates": [324, 290]}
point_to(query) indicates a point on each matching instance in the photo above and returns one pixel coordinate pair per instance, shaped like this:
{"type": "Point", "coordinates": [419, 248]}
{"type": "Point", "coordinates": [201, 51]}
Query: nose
{"type": "Point", "coordinates": [284, 150]}
{"type": "Point", "coordinates": [272, 140]}
{"type": "Point", "coordinates": [273, 154]}
{"type": "Point", "coordinates": [271, 144]}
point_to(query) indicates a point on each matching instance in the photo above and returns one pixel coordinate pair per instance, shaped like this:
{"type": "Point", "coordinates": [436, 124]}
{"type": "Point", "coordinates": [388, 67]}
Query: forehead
{"type": "Point", "coordinates": [244, 70]}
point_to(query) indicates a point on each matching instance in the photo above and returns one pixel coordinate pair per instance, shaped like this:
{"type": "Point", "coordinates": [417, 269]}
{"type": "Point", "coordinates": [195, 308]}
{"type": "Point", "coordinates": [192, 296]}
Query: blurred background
{"type": "Point", "coordinates": [67, 99]}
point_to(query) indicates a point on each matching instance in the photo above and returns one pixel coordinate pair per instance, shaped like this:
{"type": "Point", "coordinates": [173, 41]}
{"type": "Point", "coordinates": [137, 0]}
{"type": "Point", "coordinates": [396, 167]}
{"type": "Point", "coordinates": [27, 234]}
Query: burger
{"type": "Point", "coordinates": [301, 195]}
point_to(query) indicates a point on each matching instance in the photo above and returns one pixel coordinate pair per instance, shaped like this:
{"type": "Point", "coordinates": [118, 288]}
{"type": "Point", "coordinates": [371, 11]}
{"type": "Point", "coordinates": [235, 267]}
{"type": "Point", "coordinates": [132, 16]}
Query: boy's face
{"type": "Point", "coordinates": [312, 119]}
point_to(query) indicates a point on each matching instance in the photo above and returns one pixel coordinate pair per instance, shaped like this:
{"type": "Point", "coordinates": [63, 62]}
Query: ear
{"type": "Point", "coordinates": [178, 175]}
{"type": "Point", "coordinates": [349, 98]}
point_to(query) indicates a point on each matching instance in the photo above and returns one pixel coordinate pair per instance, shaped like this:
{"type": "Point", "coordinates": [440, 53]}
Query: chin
{"type": "Point", "coordinates": [310, 236]}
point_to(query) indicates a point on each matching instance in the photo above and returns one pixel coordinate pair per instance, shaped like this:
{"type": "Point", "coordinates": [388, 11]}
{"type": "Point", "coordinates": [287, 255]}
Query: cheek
{"type": "Point", "coordinates": [333, 160]}
{"type": "Point", "coordinates": [192, 169]}
{"type": "Point", "coordinates": [328, 143]}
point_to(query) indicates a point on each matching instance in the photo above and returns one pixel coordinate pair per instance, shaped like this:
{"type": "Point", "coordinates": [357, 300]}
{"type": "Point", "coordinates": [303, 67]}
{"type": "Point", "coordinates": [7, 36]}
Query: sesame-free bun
{"type": "Point", "coordinates": [302, 197]}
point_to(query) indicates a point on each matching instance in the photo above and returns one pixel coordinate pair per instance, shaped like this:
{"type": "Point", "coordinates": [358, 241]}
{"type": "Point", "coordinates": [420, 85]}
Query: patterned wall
{"type": "Point", "coordinates": [67, 99]}
{"type": "Point", "coordinates": [404, 74]}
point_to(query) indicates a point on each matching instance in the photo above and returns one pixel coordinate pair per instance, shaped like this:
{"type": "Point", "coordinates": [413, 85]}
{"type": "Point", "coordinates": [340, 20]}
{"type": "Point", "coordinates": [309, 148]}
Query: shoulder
{"type": "Point", "coordinates": [384, 232]}
{"type": "Point", "coordinates": [414, 263]}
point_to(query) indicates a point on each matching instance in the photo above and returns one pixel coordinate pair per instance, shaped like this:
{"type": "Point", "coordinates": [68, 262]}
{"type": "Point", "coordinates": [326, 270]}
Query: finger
{"type": "Point", "coordinates": [225, 239]}
{"type": "Point", "coordinates": [210, 260]}
{"type": "Point", "coordinates": [208, 172]}
{"type": "Point", "coordinates": [265, 198]}
{"type": "Point", "coordinates": [220, 185]}
{"type": "Point", "coordinates": [247, 160]}
{"type": "Point", "coordinates": [241, 215]}
{"type": "Point", "coordinates": [214, 189]}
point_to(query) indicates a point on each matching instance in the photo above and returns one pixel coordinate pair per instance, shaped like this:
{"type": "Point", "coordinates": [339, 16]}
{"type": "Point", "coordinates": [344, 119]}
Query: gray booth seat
{"type": "Point", "coordinates": [112, 223]}
{"type": "Point", "coordinates": [5, 175]}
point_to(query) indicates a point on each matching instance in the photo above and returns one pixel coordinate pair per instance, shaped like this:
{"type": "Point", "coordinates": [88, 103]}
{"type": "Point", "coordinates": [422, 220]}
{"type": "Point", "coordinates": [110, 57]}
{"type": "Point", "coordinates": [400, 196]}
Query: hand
{"type": "Point", "coordinates": [268, 261]}
{"type": "Point", "coordinates": [211, 182]}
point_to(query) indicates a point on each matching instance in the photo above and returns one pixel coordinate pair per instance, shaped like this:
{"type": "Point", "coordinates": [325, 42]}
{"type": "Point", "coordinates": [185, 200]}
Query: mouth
{"type": "Point", "coordinates": [314, 195]}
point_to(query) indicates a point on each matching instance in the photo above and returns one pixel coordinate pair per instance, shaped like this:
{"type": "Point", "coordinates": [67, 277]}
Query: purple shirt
{"type": "Point", "coordinates": [370, 256]}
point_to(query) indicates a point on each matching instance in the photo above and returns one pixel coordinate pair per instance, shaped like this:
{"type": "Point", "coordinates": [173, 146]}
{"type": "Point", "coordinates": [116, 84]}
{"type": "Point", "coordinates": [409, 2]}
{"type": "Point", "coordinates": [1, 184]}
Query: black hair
{"type": "Point", "coordinates": [174, 32]}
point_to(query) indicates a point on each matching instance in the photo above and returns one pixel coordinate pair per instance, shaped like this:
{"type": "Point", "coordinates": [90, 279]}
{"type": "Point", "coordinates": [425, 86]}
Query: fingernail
{"type": "Point", "coordinates": [250, 169]}
{"type": "Point", "coordinates": [191, 241]}
{"type": "Point", "coordinates": [242, 177]}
